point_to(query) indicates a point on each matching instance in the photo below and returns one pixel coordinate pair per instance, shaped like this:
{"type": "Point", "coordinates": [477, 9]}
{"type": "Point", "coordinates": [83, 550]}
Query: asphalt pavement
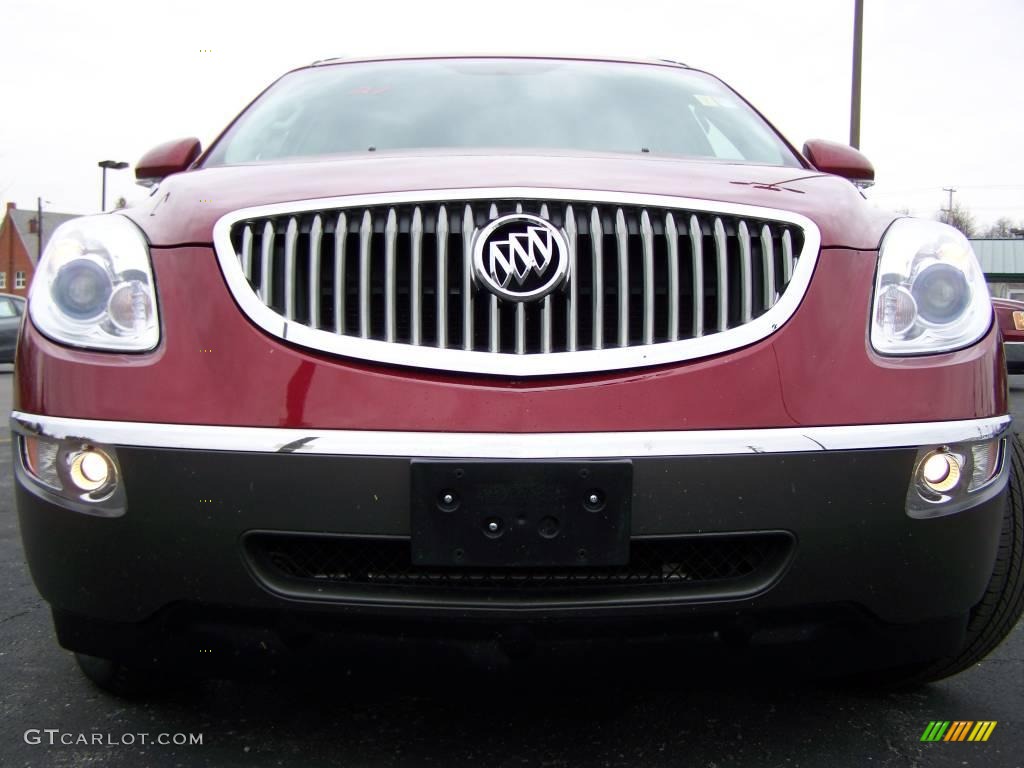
{"type": "Point", "coordinates": [425, 709]}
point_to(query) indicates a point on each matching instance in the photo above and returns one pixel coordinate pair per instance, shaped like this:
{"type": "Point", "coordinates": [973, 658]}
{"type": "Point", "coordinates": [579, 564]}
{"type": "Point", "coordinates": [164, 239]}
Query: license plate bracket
{"type": "Point", "coordinates": [521, 514]}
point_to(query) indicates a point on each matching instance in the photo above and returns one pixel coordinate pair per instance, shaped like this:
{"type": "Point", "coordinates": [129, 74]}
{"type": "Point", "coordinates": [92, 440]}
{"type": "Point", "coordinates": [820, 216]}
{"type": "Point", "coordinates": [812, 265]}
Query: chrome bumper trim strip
{"type": "Point", "coordinates": [472, 445]}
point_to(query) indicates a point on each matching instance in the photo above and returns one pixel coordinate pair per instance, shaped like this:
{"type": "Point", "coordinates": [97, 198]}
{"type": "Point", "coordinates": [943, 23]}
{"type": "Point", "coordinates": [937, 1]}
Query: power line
{"type": "Point", "coordinates": [908, 190]}
{"type": "Point", "coordinates": [992, 186]}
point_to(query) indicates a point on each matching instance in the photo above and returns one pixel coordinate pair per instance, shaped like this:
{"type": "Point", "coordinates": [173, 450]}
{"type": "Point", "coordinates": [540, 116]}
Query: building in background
{"type": "Point", "coordinates": [1002, 261]}
{"type": "Point", "coordinates": [20, 245]}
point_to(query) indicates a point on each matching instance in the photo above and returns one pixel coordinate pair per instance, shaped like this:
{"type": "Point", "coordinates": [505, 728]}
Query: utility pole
{"type": "Point", "coordinates": [39, 228]}
{"type": "Point", "coordinates": [858, 45]}
{"type": "Point", "coordinates": [951, 190]}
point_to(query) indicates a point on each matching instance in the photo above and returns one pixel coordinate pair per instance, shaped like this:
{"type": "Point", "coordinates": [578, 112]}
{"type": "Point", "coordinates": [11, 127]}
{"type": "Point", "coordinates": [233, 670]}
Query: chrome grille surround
{"type": "Point", "coordinates": [787, 246]}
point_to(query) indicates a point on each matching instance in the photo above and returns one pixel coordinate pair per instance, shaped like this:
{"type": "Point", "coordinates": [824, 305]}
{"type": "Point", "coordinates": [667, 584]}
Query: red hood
{"type": "Point", "coordinates": [186, 205]}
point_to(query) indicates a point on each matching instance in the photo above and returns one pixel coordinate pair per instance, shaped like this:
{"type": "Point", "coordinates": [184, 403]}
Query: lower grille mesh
{"type": "Point", "coordinates": [388, 563]}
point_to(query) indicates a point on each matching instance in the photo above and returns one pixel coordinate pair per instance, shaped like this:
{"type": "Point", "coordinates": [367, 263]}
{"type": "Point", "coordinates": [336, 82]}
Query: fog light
{"type": "Point", "coordinates": [951, 478]}
{"type": "Point", "coordinates": [940, 472]}
{"type": "Point", "coordinates": [90, 470]}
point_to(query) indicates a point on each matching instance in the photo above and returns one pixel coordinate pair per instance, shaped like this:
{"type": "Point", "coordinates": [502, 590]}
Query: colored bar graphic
{"type": "Point", "coordinates": [958, 730]}
{"type": "Point", "coordinates": [935, 731]}
{"type": "Point", "coordinates": [983, 730]}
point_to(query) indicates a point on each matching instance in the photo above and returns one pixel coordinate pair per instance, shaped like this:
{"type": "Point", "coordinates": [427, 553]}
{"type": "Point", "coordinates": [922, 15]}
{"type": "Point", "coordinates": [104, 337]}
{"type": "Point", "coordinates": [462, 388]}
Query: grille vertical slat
{"type": "Point", "coordinates": [520, 307]}
{"type": "Point", "coordinates": [768, 259]}
{"type": "Point", "coordinates": [390, 257]}
{"type": "Point", "coordinates": [340, 242]}
{"type": "Point", "coordinates": [442, 277]}
{"type": "Point", "coordinates": [746, 274]}
{"type": "Point", "coordinates": [622, 241]}
{"type": "Point", "coordinates": [597, 248]}
{"type": "Point", "coordinates": [572, 309]}
{"type": "Point", "coordinates": [545, 309]}
{"type": "Point", "coordinates": [315, 235]}
{"type": "Point", "coordinates": [416, 277]}
{"type": "Point", "coordinates": [247, 252]}
{"type": "Point", "coordinates": [494, 311]}
{"type": "Point", "coordinates": [697, 265]}
{"type": "Point", "coordinates": [267, 264]}
{"type": "Point", "coordinates": [665, 274]}
{"type": "Point", "coordinates": [647, 241]}
{"type": "Point", "coordinates": [493, 326]}
{"type": "Point", "coordinates": [468, 227]}
{"type": "Point", "coordinates": [290, 239]}
{"type": "Point", "coordinates": [787, 257]}
{"type": "Point", "coordinates": [365, 236]}
{"type": "Point", "coordinates": [546, 328]}
{"type": "Point", "coordinates": [520, 329]}
{"type": "Point", "coordinates": [722, 267]}
{"type": "Point", "coordinates": [493, 314]}
{"type": "Point", "coordinates": [672, 240]}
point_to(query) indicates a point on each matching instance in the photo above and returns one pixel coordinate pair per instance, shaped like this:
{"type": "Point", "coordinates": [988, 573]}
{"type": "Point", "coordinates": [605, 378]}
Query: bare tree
{"type": "Point", "coordinates": [960, 217]}
{"type": "Point", "coordinates": [1003, 227]}
{"type": "Point", "coordinates": [121, 203]}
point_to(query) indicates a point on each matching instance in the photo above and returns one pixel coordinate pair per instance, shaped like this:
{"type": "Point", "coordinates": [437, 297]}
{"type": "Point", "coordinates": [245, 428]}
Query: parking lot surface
{"type": "Point", "coordinates": [424, 706]}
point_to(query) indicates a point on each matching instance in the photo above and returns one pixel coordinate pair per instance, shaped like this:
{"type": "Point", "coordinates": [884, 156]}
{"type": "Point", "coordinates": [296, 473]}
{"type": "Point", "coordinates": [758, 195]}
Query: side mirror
{"type": "Point", "coordinates": [160, 162]}
{"type": "Point", "coordinates": [833, 157]}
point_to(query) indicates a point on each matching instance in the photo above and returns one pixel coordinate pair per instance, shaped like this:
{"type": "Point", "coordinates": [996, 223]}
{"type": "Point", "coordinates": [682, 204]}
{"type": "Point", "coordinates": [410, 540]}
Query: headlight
{"type": "Point", "coordinates": [930, 293]}
{"type": "Point", "coordinates": [94, 286]}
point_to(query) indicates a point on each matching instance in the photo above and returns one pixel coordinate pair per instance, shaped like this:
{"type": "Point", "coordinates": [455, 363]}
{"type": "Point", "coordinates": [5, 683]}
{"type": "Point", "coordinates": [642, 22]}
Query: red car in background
{"type": "Point", "coordinates": [1010, 318]}
{"type": "Point", "coordinates": [480, 344]}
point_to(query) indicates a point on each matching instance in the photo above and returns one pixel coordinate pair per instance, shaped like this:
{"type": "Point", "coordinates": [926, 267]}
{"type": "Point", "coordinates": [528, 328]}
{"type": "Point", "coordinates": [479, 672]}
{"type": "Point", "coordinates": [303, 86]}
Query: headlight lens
{"type": "Point", "coordinates": [930, 292]}
{"type": "Point", "coordinates": [94, 286]}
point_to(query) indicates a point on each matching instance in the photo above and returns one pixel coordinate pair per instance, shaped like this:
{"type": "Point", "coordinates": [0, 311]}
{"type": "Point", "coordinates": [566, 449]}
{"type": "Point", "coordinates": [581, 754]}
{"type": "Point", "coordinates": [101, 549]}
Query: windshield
{"type": "Point", "coordinates": [499, 103]}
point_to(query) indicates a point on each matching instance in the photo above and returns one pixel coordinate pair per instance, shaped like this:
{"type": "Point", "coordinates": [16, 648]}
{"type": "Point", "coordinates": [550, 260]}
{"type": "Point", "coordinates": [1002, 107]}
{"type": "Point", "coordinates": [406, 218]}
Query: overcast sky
{"type": "Point", "coordinates": [943, 105]}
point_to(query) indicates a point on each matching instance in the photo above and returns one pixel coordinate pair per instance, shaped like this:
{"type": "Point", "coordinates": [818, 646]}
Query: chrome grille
{"type": "Point", "coordinates": [394, 276]}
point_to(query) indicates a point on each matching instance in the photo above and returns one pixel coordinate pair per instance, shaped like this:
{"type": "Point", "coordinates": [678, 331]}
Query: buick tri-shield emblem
{"type": "Point", "coordinates": [521, 257]}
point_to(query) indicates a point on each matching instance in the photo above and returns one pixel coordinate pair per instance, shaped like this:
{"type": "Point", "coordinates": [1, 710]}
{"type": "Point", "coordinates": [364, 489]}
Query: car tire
{"type": "Point", "coordinates": [993, 618]}
{"type": "Point", "coordinates": [120, 678]}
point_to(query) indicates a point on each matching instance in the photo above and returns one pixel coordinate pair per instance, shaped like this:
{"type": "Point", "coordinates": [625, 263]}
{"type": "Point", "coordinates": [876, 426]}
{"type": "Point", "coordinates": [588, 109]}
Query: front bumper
{"type": "Point", "coordinates": [202, 503]}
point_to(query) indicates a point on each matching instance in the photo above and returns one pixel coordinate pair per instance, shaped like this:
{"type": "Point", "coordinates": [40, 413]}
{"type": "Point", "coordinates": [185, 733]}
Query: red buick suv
{"type": "Point", "coordinates": [534, 342]}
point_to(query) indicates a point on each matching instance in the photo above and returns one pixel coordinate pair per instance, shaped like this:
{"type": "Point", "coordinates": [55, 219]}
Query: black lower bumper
{"type": "Point", "coordinates": [798, 532]}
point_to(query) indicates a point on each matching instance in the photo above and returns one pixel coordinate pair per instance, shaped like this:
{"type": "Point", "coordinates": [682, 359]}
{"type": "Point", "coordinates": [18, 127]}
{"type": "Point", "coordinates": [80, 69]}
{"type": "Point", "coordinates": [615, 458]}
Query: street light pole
{"type": "Point", "coordinates": [106, 165]}
{"type": "Point", "coordinates": [858, 44]}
